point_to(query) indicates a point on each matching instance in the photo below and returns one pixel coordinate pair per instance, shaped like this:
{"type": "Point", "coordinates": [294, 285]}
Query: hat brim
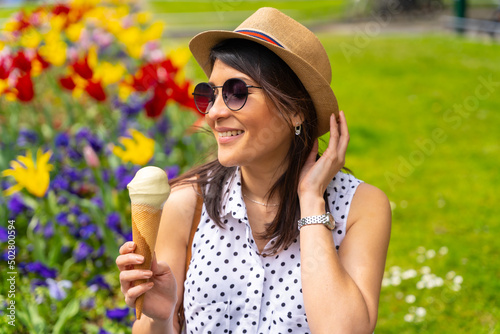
{"type": "Point", "coordinates": [319, 89]}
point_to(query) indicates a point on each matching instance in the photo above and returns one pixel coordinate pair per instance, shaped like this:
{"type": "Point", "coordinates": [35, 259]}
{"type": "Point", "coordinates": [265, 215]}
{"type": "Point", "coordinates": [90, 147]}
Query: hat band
{"type": "Point", "coordinates": [260, 35]}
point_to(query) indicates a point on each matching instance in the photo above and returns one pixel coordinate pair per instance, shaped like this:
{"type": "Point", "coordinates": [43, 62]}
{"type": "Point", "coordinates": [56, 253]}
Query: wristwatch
{"type": "Point", "coordinates": [326, 219]}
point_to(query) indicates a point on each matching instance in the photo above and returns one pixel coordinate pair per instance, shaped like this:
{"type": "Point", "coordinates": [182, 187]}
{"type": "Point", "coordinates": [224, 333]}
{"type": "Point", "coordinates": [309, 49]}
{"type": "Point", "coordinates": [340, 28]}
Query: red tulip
{"type": "Point", "coordinates": [67, 83]}
{"type": "Point", "coordinates": [95, 90]}
{"type": "Point", "coordinates": [24, 88]}
{"type": "Point", "coordinates": [21, 62]}
{"type": "Point", "coordinates": [83, 69]}
{"type": "Point", "coordinates": [154, 107]}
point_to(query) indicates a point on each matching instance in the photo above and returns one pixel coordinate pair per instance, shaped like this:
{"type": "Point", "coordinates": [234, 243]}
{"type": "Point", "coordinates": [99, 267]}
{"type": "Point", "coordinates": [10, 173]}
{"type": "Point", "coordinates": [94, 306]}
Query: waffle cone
{"type": "Point", "coordinates": [145, 223]}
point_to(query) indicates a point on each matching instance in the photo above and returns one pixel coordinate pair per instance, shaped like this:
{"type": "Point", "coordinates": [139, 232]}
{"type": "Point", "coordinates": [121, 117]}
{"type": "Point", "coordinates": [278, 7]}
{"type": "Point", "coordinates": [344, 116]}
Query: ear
{"type": "Point", "coordinates": [297, 119]}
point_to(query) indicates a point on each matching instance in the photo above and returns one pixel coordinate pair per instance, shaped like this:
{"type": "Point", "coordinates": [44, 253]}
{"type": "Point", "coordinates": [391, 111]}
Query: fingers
{"type": "Point", "coordinates": [127, 247]}
{"type": "Point", "coordinates": [344, 133]}
{"type": "Point", "coordinates": [133, 293]}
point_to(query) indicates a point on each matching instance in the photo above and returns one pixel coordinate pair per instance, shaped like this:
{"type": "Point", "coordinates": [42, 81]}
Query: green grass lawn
{"type": "Point", "coordinates": [396, 92]}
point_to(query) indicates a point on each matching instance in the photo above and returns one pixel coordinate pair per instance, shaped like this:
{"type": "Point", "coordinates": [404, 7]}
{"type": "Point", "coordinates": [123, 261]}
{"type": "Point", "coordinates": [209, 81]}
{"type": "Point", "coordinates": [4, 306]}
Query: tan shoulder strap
{"type": "Point", "coordinates": [194, 226]}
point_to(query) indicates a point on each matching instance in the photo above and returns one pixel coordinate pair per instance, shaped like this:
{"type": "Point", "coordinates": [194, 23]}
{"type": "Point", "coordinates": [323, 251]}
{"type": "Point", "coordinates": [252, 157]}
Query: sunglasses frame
{"type": "Point", "coordinates": [215, 95]}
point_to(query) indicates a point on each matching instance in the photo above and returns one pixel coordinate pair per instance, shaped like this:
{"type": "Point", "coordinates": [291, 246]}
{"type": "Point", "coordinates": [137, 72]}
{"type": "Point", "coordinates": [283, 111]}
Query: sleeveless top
{"type": "Point", "coordinates": [230, 288]}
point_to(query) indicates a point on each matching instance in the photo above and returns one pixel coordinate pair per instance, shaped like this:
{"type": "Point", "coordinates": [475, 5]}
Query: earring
{"type": "Point", "coordinates": [298, 128]}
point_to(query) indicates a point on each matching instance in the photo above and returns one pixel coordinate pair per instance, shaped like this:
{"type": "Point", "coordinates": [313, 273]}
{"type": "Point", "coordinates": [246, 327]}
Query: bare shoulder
{"type": "Point", "coordinates": [369, 203]}
{"type": "Point", "coordinates": [178, 210]}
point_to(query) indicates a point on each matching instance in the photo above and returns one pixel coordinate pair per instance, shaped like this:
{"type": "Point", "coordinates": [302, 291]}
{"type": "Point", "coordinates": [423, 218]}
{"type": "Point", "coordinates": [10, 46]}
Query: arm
{"type": "Point", "coordinates": [164, 297]}
{"type": "Point", "coordinates": [342, 295]}
{"type": "Point", "coordinates": [341, 292]}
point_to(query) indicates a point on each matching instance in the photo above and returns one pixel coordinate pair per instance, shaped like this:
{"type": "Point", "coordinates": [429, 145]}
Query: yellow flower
{"type": "Point", "coordinates": [138, 150]}
{"type": "Point", "coordinates": [132, 40]}
{"type": "Point", "coordinates": [180, 58]}
{"type": "Point", "coordinates": [54, 51]}
{"type": "Point", "coordinates": [34, 177]}
{"type": "Point", "coordinates": [143, 17]}
{"type": "Point", "coordinates": [3, 85]}
{"type": "Point", "coordinates": [154, 32]}
{"type": "Point", "coordinates": [74, 31]}
{"type": "Point", "coordinates": [109, 73]}
{"type": "Point", "coordinates": [125, 89]}
{"type": "Point", "coordinates": [30, 38]}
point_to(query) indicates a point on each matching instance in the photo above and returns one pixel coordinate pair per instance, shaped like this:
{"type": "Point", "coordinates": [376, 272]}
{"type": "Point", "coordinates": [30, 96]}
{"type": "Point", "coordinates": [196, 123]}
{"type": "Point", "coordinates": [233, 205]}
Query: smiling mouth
{"type": "Point", "coordinates": [230, 133]}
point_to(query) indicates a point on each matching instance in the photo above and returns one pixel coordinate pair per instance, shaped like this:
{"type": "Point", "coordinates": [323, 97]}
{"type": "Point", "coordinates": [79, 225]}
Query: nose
{"type": "Point", "coordinates": [218, 109]}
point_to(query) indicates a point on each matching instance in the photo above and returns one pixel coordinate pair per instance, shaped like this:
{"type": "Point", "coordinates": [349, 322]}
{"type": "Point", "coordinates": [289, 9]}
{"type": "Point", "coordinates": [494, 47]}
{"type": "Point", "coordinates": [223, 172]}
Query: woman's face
{"type": "Point", "coordinates": [256, 135]}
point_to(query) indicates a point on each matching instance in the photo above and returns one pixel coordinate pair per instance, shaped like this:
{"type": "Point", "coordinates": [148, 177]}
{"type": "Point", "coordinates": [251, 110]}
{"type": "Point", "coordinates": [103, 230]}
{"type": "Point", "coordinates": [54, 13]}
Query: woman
{"type": "Point", "coordinates": [267, 255]}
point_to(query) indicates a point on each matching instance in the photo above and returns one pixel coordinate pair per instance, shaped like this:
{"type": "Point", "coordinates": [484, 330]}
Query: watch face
{"type": "Point", "coordinates": [331, 222]}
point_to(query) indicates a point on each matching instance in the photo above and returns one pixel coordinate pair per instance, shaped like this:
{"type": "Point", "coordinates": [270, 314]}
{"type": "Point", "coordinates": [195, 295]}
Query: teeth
{"type": "Point", "coordinates": [230, 133]}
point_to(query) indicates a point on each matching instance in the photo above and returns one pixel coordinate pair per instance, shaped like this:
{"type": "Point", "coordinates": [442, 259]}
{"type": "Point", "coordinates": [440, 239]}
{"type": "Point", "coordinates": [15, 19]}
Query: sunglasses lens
{"type": "Point", "coordinates": [203, 97]}
{"type": "Point", "coordinates": [235, 93]}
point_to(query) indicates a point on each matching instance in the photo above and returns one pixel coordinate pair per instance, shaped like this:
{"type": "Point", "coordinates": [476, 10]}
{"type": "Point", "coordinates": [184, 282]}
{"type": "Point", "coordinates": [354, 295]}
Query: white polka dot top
{"type": "Point", "coordinates": [230, 288]}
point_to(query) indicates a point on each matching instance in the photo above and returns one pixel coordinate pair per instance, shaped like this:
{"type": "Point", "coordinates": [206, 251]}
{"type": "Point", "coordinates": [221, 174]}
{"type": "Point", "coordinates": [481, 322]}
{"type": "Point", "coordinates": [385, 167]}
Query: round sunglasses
{"type": "Point", "coordinates": [234, 93]}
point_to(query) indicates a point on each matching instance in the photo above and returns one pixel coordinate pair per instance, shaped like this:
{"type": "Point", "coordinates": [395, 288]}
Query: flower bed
{"type": "Point", "coordinates": [88, 95]}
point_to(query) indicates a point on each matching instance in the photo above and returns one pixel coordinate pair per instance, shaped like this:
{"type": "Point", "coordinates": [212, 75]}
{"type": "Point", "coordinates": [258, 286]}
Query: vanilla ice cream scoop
{"type": "Point", "coordinates": [149, 186]}
{"type": "Point", "coordinates": [148, 191]}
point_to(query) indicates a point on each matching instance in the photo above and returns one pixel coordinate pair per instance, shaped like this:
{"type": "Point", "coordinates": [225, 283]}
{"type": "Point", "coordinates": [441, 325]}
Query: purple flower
{"type": "Point", "coordinates": [75, 210]}
{"type": "Point", "coordinates": [99, 253]}
{"type": "Point", "coordinates": [48, 231]}
{"type": "Point", "coordinates": [88, 231]}
{"type": "Point", "coordinates": [99, 281]}
{"type": "Point", "coordinates": [97, 201]}
{"type": "Point", "coordinates": [74, 155]}
{"type": "Point", "coordinates": [82, 251]}
{"type": "Point", "coordinates": [62, 200]}
{"type": "Point", "coordinates": [127, 235]}
{"type": "Point", "coordinates": [71, 174]}
{"type": "Point", "coordinates": [113, 222]}
{"type": "Point", "coordinates": [118, 314]}
{"type": "Point", "coordinates": [36, 282]}
{"type": "Point", "coordinates": [3, 234]}
{"type": "Point", "coordinates": [124, 177]}
{"type": "Point", "coordinates": [62, 219]}
{"type": "Point", "coordinates": [57, 289]}
{"type": "Point", "coordinates": [16, 205]}
{"type": "Point", "coordinates": [102, 331]}
{"type": "Point", "coordinates": [6, 253]}
{"type": "Point", "coordinates": [172, 171]}
{"type": "Point", "coordinates": [59, 183]}
{"type": "Point", "coordinates": [163, 125]}
{"type": "Point", "coordinates": [61, 140]}
{"type": "Point", "coordinates": [40, 269]}
{"type": "Point", "coordinates": [84, 219]}
{"type": "Point", "coordinates": [84, 136]}
{"type": "Point", "coordinates": [131, 108]}
{"type": "Point", "coordinates": [26, 138]}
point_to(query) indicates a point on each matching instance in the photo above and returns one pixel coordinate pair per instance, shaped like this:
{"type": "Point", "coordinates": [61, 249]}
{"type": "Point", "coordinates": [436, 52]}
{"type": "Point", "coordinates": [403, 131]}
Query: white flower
{"type": "Point", "coordinates": [425, 270]}
{"type": "Point", "coordinates": [421, 250]}
{"type": "Point", "coordinates": [410, 299]}
{"type": "Point", "coordinates": [420, 312]}
{"type": "Point", "coordinates": [409, 317]}
{"type": "Point", "coordinates": [450, 274]}
{"type": "Point", "coordinates": [395, 280]}
{"type": "Point", "coordinates": [456, 287]}
{"type": "Point", "coordinates": [430, 284]}
{"type": "Point", "coordinates": [439, 281]}
{"type": "Point", "coordinates": [458, 280]}
{"type": "Point", "coordinates": [386, 282]}
{"type": "Point", "coordinates": [430, 253]}
{"type": "Point", "coordinates": [443, 250]}
{"type": "Point", "coordinates": [410, 273]}
{"type": "Point", "coordinates": [420, 285]}
{"type": "Point", "coordinates": [399, 295]}
{"type": "Point", "coordinates": [421, 258]}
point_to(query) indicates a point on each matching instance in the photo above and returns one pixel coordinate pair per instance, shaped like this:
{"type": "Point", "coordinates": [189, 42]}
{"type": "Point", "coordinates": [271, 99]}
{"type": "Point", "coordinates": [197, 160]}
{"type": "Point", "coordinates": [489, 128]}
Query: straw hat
{"type": "Point", "coordinates": [293, 43]}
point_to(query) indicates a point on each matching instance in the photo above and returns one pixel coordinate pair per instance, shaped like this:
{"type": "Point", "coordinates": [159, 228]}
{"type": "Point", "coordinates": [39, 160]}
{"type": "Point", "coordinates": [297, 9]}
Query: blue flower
{"type": "Point", "coordinates": [48, 231]}
{"type": "Point", "coordinates": [88, 231]}
{"type": "Point", "coordinates": [16, 205]}
{"type": "Point", "coordinates": [57, 289]}
{"type": "Point", "coordinates": [118, 314]}
{"type": "Point", "coordinates": [84, 219]}
{"type": "Point", "coordinates": [102, 331]}
{"type": "Point", "coordinates": [59, 183]}
{"type": "Point", "coordinates": [82, 251]}
{"type": "Point", "coordinates": [62, 219]}
{"type": "Point", "coordinates": [62, 200]}
{"type": "Point", "coordinates": [3, 234]}
{"type": "Point", "coordinates": [61, 140]}
{"type": "Point", "coordinates": [74, 155]}
{"type": "Point", "coordinates": [97, 201]}
{"type": "Point", "coordinates": [123, 176]}
{"type": "Point", "coordinates": [40, 269]}
{"type": "Point", "coordinates": [99, 281]}
{"type": "Point", "coordinates": [173, 171]}
{"type": "Point", "coordinates": [113, 222]}
{"type": "Point", "coordinates": [26, 138]}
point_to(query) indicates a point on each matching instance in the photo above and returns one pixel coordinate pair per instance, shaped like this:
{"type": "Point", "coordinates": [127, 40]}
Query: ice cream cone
{"type": "Point", "coordinates": [148, 191]}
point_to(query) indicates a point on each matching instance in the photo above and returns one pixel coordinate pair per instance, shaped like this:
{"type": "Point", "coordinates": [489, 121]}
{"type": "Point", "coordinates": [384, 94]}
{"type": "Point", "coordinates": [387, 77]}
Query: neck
{"type": "Point", "coordinates": [256, 183]}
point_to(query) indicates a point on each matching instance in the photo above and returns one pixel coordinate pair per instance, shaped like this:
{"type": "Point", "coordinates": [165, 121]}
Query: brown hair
{"type": "Point", "coordinates": [286, 92]}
